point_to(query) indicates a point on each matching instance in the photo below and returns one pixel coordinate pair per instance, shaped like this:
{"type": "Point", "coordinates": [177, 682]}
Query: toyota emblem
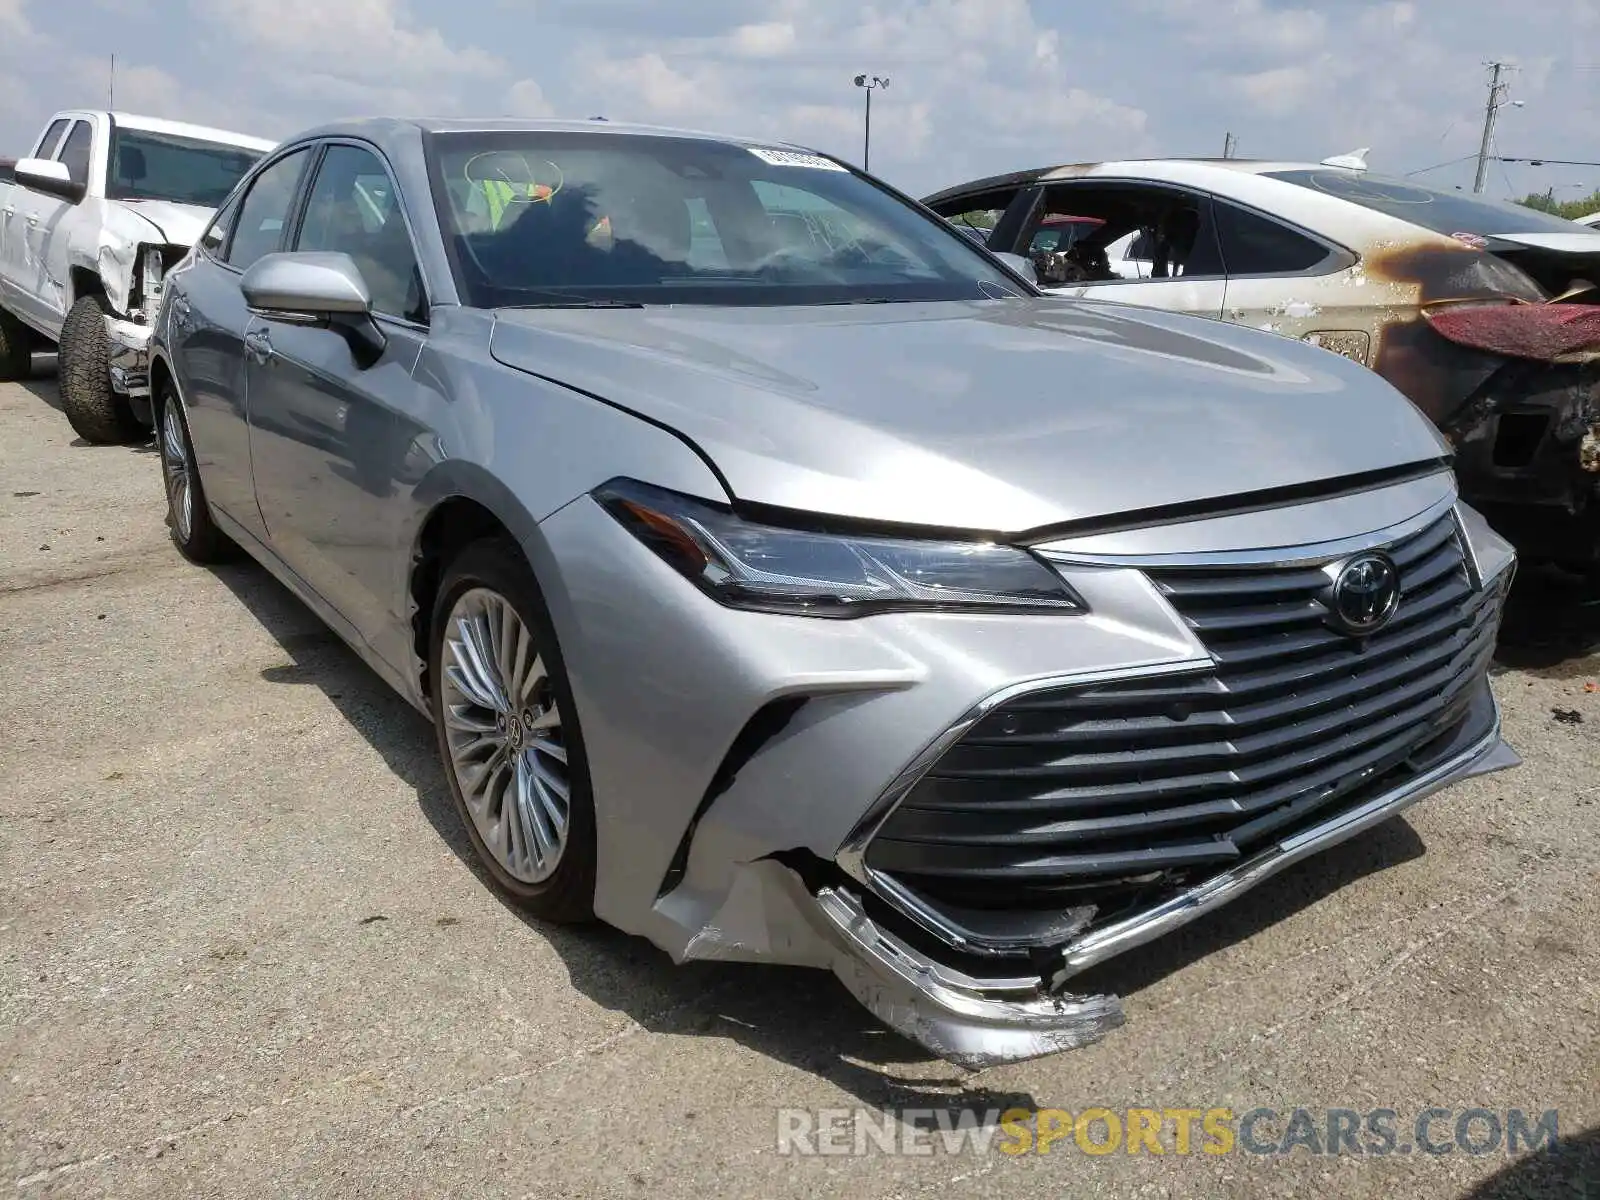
{"type": "Point", "coordinates": [1364, 594]}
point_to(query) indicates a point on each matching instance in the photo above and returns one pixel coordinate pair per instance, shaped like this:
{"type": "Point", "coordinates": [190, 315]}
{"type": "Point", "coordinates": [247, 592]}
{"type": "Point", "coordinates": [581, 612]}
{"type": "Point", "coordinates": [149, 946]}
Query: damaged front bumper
{"type": "Point", "coordinates": [978, 1022]}
{"type": "Point", "coordinates": [129, 357]}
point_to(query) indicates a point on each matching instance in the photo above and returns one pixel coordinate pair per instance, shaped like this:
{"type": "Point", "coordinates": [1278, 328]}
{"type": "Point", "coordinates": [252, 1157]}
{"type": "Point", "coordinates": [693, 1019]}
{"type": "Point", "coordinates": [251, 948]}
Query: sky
{"type": "Point", "coordinates": [977, 87]}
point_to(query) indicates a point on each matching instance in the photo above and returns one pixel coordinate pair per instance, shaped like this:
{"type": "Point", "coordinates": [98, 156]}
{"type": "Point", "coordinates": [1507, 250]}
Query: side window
{"type": "Point", "coordinates": [74, 153]}
{"type": "Point", "coordinates": [52, 135]}
{"type": "Point", "coordinates": [706, 252]}
{"type": "Point", "coordinates": [1170, 229]}
{"type": "Point", "coordinates": [217, 232]}
{"type": "Point", "coordinates": [977, 213]}
{"type": "Point", "coordinates": [353, 209]}
{"type": "Point", "coordinates": [1256, 245]}
{"type": "Point", "coordinates": [264, 211]}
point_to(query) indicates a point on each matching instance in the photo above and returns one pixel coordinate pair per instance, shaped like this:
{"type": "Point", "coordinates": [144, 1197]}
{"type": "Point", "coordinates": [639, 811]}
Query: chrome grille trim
{"type": "Point", "coordinates": [1286, 724]}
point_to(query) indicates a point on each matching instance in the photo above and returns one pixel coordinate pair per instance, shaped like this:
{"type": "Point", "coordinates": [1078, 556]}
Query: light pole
{"type": "Point", "coordinates": [869, 82]}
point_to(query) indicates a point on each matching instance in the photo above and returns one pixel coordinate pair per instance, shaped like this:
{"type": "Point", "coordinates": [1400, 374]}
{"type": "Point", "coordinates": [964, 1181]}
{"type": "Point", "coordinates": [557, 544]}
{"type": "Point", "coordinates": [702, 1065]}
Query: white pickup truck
{"type": "Point", "coordinates": [103, 206]}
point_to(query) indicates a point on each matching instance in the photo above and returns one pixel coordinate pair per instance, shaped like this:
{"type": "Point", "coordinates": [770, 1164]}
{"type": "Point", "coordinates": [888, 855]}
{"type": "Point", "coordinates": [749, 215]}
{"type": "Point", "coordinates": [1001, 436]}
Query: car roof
{"type": "Point", "coordinates": [388, 129]}
{"type": "Point", "coordinates": [1173, 170]}
{"type": "Point", "coordinates": [183, 129]}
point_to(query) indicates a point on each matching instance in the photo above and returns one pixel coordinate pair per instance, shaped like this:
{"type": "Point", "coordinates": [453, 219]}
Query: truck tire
{"type": "Point", "coordinates": [96, 413]}
{"type": "Point", "coordinates": [16, 348]}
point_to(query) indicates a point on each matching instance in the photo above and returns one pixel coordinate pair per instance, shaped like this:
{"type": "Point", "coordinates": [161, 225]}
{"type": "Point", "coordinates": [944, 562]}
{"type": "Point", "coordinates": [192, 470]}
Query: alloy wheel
{"type": "Point", "coordinates": [175, 465]}
{"type": "Point", "coordinates": [503, 729]}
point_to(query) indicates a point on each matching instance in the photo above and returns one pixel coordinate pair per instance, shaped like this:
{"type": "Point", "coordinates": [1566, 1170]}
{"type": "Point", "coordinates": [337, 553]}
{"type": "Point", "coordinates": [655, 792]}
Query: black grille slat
{"type": "Point", "coordinates": [1124, 782]}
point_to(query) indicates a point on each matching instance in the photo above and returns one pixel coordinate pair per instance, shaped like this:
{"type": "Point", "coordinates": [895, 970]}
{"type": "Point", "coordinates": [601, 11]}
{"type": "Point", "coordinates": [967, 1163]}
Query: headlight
{"type": "Point", "coordinates": [154, 274]}
{"type": "Point", "coordinates": [770, 568]}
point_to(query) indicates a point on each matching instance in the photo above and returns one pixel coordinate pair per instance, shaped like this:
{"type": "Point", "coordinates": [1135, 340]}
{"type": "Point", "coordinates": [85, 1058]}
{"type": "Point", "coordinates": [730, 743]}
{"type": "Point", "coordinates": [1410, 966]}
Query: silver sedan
{"type": "Point", "coordinates": [789, 580]}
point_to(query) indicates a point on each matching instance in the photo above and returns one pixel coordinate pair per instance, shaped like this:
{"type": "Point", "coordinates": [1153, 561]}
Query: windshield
{"type": "Point", "coordinates": [1446, 212]}
{"type": "Point", "coordinates": [575, 217]}
{"type": "Point", "coordinates": [163, 166]}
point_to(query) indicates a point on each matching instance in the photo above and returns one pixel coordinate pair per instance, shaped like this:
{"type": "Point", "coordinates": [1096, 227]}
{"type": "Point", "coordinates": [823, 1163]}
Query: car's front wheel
{"type": "Point", "coordinates": [94, 409]}
{"type": "Point", "coordinates": [194, 533]}
{"type": "Point", "coordinates": [508, 733]}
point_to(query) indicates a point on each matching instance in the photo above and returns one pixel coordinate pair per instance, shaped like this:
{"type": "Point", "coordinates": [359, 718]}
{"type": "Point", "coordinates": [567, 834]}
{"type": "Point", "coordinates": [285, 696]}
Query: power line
{"type": "Point", "coordinates": [1553, 162]}
{"type": "Point", "coordinates": [1447, 163]}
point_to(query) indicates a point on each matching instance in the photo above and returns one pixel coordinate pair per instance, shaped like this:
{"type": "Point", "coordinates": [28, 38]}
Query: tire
{"type": "Point", "coordinates": [189, 521]}
{"type": "Point", "coordinates": [96, 412]}
{"type": "Point", "coordinates": [16, 349]}
{"type": "Point", "coordinates": [529, 740]}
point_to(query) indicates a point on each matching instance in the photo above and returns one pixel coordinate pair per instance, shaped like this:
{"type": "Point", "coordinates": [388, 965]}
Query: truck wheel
{"type": "Point", "coordinates": [16, 348]}
{"type": "Point", "coordinates": [97, 413]}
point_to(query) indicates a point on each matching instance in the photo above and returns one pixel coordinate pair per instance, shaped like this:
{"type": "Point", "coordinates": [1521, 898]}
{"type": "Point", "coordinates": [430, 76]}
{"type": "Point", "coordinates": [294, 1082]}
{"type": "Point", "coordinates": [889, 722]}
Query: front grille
{"type": "Point", "coordinates": [1107, 792]}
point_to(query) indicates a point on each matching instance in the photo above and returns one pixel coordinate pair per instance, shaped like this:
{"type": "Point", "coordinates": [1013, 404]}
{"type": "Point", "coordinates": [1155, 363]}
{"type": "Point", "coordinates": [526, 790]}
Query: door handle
{"type": "Point", "coordinates": [258, 345]}
{"type": "Point", "coordinates": [33, 218]}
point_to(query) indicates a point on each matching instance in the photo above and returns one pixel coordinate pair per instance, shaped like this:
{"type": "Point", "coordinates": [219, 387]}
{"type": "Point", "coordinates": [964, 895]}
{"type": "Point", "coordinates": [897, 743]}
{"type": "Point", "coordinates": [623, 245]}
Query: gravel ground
{"type": "Point", "coordinates": [244, 953]}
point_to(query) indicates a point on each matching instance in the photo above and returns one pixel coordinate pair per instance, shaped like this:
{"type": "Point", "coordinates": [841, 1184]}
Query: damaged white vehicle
{"type": "Point", "coordinates": [1485, 314]}
{"type": "Point", "coordinates": [104, 205]}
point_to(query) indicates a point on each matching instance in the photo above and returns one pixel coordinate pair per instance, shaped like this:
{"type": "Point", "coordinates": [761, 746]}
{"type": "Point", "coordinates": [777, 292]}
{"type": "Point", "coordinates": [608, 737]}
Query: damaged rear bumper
{"type": "Point", "coordinates": [130, 356]}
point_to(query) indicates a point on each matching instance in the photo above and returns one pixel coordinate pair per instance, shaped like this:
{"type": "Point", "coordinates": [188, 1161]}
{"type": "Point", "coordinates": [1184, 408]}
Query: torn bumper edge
{"type": "Point", "coordinates": [984, 1022]}
{"type": "Point", "coordinates": [130, 356]}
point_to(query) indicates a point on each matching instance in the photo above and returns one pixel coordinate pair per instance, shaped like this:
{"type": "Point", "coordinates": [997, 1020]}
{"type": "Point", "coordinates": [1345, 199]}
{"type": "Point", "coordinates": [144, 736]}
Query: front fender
{"type": "Point", "coordinates": [122, 235]}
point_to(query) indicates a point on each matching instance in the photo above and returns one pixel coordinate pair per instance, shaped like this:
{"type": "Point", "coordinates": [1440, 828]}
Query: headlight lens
{"type": "Point", "coordinates": [770, 568]}
{"type": "Point", "coordinates": [154, 275]}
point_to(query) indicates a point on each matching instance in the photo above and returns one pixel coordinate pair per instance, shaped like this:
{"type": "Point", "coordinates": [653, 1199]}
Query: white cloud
{"type": "Point", "coordinates": [525, 98]}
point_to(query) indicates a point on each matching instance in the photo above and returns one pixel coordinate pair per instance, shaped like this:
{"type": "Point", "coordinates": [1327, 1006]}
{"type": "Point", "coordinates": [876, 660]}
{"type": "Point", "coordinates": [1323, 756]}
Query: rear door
{"type": "Point", "coordinates": [18, 206]}
{"type": "Point", "coordinates": [327, 432]}
{"type": "Point", "coordinates": [1287, 280]}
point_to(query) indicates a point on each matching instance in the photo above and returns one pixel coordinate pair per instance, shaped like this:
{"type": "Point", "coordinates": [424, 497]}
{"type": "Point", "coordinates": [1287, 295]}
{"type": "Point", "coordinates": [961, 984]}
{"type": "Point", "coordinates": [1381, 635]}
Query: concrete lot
{"type": "Point", "coordinates": [243, 952]}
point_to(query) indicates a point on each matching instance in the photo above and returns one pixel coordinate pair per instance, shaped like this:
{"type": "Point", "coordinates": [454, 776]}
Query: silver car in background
{"type": "Point", "coordinates": [789, 581]}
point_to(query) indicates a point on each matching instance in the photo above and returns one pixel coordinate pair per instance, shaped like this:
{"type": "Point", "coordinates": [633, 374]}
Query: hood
{"type": "Point", "coordinates": [180, 224]}
{"type": "Point", "coordinates": [1002, 415]}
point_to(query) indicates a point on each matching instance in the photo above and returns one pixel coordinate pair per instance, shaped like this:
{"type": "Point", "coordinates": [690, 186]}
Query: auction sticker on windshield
{"type": "Point", "coordinates": [793, 158]}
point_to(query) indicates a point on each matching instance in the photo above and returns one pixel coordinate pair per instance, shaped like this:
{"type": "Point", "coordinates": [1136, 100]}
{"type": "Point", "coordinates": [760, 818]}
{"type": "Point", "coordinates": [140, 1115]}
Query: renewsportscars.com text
{"type": "Point", "coordinates": [1095, 1131]}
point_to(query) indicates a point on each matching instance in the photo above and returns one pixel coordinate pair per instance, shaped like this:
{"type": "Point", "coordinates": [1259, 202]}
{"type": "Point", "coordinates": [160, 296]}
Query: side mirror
{"type": "Point", "coordinates": [316, 287]}
{"type": "Point", "coordinates": [1022, 266]}
{"type": "Point", "coordinates": [50, 177]}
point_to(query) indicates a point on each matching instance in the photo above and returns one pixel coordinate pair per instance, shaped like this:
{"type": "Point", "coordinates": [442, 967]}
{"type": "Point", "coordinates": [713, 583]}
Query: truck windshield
{"type": "Point", "coordinates": [572, 217]}
{"type": "Point", "coordinates": [145, 165]}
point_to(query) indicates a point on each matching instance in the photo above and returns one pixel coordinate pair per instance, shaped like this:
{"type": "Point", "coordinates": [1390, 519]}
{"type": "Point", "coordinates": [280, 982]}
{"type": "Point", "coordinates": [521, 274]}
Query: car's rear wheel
{"type": "Point", "coordinates": [194, 533]}
{"type": "Point", "coordinates": [94, 409]}
{"type": "Point", "coordinates": [508, 733]}
{"type": "Point", "coordinates": [16, 348]}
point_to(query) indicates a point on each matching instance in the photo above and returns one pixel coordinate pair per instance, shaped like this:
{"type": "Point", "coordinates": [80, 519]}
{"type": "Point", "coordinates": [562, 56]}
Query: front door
{"type": "Point", "coordinates": [1184, 272]}
{"type": "Point", "coordinates": [206, 322]}
{"type": "Point", "coordinates": [326, 437]}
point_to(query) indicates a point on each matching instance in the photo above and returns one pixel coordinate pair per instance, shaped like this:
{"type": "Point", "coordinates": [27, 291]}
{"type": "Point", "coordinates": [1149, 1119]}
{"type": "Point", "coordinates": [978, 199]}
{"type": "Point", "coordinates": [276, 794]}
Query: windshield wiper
{"type": "Point", "coordinates": [540, 304]}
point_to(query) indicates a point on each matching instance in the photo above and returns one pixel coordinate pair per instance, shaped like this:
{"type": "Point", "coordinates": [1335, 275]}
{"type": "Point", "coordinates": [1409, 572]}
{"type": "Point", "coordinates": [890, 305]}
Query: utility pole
{"type": "Point", "coordinates": [1497, 91]}
{"type": "Point", "coordinates": [111, 84]}
{"type": "Point", "coordinates": [869, 82]}
{"type": "Point", "coordinates": [1229, 144]}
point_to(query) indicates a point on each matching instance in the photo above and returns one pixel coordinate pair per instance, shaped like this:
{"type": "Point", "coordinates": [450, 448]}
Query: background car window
{"type": "Point", "coordinates": [352, 209]}
{"type": "Point", "coordinates": [1256, 245]}
{"type": "Point", "coordinates": [265, 210]}
{"type": "Point", "coordinates": [75, 151]}
{"type": "Point", "coordinates": [47, 144]}
{"type": "Point", "coordinates": [163, 166]}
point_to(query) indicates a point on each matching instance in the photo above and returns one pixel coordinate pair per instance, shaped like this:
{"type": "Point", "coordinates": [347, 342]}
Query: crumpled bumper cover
{"type": "Point", "coordinates": [983, 1022]}
{"type": "Point", "coordinates": [130, 356]}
